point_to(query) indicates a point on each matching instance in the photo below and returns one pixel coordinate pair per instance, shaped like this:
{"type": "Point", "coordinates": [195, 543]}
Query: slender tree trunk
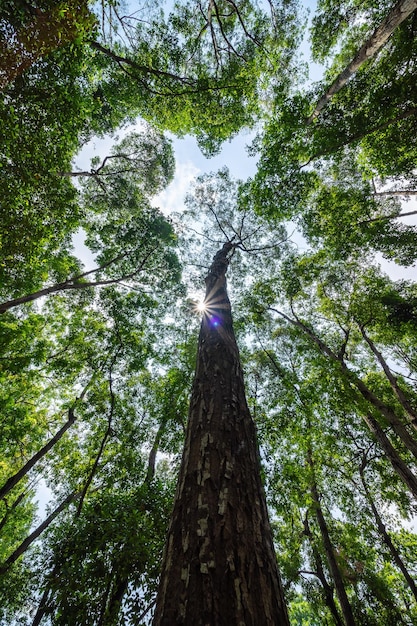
{"type": "Point", "coordinates": [401, 397]}
{"type": "Point", "coordinates": [219, 565]}
{"type": "Point", "coordinates": [318, 563]}
{"type": "Point", "coordinates": [392, 418]}
{"type": "Point", "coordinates": [402, 115]}
{"type": "Point", "coordinates": [118, 588]}
{"type": "Point", "coordinates": [113, 597]}
{"type": "Point", "coordinates": [392, 455]}
{"type": "Point", "coordinates": [16, 478]}
{"type": "Point", "coordinates": [20, 550]}
{"type": "Point", "coordinates": [13, 480]}
{"type": "Point", "coordinates": [396, 557]}
{"type": "Point", "coordinates": [76, 282]}
{"type": "Point", "coordinates": [368, 50]}
{"type": "Point", "coordinates": [335, 572]}
{"type": "Point", "coordinates": [397, 192]}
{"type": "Point", "coordinates": [393, 216]}
{"type": "Point", "coordinates": [42, 608]}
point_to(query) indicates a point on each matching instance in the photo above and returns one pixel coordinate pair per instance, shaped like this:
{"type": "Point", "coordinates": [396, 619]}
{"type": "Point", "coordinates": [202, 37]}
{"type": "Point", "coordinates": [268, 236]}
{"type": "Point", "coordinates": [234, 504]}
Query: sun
{"type": "Point", "coordinates": [201, 306]}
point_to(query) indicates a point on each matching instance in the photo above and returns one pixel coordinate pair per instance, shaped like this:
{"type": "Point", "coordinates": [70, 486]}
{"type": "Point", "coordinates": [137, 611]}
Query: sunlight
{"type": "Point", "coordinates": [201, 306]}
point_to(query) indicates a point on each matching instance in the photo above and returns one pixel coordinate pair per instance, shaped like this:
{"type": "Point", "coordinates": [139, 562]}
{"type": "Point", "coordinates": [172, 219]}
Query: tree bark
{"type": "Point", "coordinates": [369, 49]}
{"type": "Point", "coordinates": [219, 565]}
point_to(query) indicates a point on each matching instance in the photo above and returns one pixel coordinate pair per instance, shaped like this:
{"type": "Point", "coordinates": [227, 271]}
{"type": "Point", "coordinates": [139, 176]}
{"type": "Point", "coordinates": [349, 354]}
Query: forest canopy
{"type": "Point", "coordinates": [97, 358]}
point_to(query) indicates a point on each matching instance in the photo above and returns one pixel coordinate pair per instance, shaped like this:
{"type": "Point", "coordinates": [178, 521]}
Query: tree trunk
{"type": "Point", "coordinates": [393, 216]}
{"type": "Point", "coordinates": [219, 564]}
{"type": "Point", "coordinates": [16, 478]}
{"type": "Point", "coordinates": [396, 557]}
{"type": "Point", "coordinates": [76, 282]}
{"type": "Point", "coordinates": [399, 466]}
{"type": "Point", "coordinates": [392, 418]}
{"type": "Point", "coordinates": [20, 550]}
{"type": "Point", "coordinates": [335, 572]}
{"type": "Point", "coordinates": [401, 397]}
{"type": "Point", "coordinates": [369, 49]}
{"type": "Point", "coordinates": [318, 563]}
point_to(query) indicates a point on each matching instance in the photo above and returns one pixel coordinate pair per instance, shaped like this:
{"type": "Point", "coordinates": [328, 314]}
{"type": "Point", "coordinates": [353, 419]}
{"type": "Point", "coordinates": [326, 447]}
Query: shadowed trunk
{"type": "Point", "coordinates": [219, 564]}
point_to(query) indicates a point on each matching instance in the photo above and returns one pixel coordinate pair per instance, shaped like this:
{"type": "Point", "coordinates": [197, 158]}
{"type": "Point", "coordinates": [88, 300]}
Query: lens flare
{"type": "Point", "coordinates": [201, 306]}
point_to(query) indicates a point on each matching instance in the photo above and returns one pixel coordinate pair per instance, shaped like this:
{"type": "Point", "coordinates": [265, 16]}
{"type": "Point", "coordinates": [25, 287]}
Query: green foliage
{"type": "Point", "coordinates": [322, 333]}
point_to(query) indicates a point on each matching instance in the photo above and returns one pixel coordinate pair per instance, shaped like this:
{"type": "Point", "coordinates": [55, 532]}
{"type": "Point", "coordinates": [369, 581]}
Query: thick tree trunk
{"type": "Point", "coordinates": [369, 49]}
{"type": "Point", "coordinates": [219, 565]}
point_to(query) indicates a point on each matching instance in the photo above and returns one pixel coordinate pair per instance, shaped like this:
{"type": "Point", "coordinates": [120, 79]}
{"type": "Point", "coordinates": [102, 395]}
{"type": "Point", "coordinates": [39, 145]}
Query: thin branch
{"type": "Point", "coordinates": [137, 66]}
{"type": "Point", "coordinates": [104, 439]}
{"type": "Point", "coordinates": [231, 47]}
{"type": "Point", "coordinates": [387, 217]}
{"type": "Point", "coordinates": [73, 283]}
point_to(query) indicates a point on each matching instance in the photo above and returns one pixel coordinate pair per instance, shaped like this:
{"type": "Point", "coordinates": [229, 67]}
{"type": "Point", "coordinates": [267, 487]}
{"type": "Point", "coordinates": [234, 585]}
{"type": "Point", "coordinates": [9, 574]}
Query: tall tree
{"type": "Point", "coordinates": [219, 564]}
{"type": "Point", "coordinates": [369, 49]}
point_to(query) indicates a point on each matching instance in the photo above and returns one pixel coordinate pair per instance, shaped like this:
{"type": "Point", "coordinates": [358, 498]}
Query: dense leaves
{"type": "Point", "coordinates": [97, 359]}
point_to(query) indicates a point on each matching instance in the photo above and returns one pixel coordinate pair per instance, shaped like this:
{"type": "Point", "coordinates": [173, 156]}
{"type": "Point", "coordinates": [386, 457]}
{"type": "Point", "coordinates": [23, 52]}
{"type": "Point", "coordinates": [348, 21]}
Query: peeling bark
{"type": "Point", "coordinates": [219, 565]}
